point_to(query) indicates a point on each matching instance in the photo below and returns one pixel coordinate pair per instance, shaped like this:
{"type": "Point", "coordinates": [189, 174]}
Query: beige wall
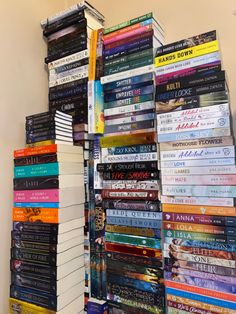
{"type": "Point", "coordinates": [23, 91]}
{"type": "Point", "coordinates": [23, 80]}
{"type": "Point", "coordinates": [181, 19]}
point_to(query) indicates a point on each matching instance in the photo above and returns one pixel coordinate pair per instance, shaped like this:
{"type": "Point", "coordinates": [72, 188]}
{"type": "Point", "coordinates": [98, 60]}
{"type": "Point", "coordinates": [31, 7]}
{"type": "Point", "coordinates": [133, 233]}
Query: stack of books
{"type": "Point", "coordinates": [131, 44]}
{"type": "Point", "coordinates": [198, 174]}
{"type": "Point", "coordinates": [130, 192]}
{"type": "Point", "coordinates": [69, 36]}
{"type": "Point", "coordinates": [75, 64]}
{"type": "Point", "coordinates": [47, 255]}
{"type": "Point", "coordinates": [47, 128]}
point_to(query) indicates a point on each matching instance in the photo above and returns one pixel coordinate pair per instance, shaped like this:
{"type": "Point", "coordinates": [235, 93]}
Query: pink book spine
{"type": "Point", "coordinates": [37, 196]}
{"type": "Point", "coordinates": [134, 32]}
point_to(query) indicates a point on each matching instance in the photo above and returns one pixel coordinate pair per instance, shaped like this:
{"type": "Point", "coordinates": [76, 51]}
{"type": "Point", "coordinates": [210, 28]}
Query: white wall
{"type": "Point", "coordinates": [23, 91]}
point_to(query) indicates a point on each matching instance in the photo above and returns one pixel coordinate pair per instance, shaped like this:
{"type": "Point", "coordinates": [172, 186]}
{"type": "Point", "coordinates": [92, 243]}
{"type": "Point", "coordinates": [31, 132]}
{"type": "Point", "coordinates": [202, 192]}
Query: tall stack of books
{"type": "Point", "coordinates": [74, 60]}
{"type": "Point", "coordinates": [47, 254]}
{"type": "Point", "coordinates": [198, 174]}
{"type": "Point", "coordinates": [129, 170]}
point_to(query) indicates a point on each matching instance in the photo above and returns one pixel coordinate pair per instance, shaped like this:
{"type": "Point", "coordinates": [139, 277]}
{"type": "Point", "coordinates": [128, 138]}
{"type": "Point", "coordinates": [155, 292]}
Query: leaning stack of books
{"type": "Point", "coordinates": [74, 39]}
{"type": "Point", "coordinates": [198, 174]}
{"type": "Point", "coordinates": [47, 255]}
{"type": "Point", "coordinates": [130, 175]}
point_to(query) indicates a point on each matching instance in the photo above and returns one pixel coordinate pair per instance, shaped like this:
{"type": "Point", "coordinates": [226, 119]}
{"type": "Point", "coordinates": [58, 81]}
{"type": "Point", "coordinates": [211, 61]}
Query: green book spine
{"type": "Point", "coordinates": [129, 66]}
{"type": "Point", "coordinates": [128, 23]}
{"type": "Point", "coordinates": [131, 57]}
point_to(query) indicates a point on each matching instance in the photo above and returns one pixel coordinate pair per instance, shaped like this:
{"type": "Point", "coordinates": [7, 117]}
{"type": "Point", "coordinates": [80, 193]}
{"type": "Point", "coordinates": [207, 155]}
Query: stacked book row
{"type": "Point", "coordinates": [198, 175]}
{"type": "Point", "coordinates": [129, 168]}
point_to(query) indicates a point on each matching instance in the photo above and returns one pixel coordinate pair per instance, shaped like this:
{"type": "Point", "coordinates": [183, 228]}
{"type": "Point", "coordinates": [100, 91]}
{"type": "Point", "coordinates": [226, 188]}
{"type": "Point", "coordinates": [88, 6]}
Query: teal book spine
{"type": "Point", "coordinates": [40, 170]}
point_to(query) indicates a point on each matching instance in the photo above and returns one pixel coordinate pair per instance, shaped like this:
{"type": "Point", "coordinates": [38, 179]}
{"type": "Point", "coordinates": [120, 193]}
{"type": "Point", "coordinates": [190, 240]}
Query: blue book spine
{"type": "Point", "coordinates": [128, 87]}
{"type": "Point", "coordinates": [128, 46]}
{"type": "Point", "coordinates": [39, 170]}
{"type": "Point", "coordinates": [131, 222]}
{"type": "Point", "coordinates": [201, 298]}
{"type": "Point", "coordinates": [129, 81]}
{"type": "Point", "coordinates": [190, 135]}
{"type": "Point", "coordinates": [35, 205]}
{"type": "Point", "coordinates": [131, 93]}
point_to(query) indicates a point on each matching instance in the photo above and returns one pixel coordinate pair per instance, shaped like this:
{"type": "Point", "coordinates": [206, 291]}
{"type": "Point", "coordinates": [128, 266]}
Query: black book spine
{"type": "Point", "coordinates": [47, 247]}
{"type": "Point", "coordinates": [34, 237]}
{"type": "Point", "coordinates": [73, 84]}
{"type": "Point", "coordinates": [131, 205]}
{"type": "Point", "coordinates": [37, 183]}
{"type": "Point", "coordinates": [192, 80]}
{"type": "Point", "coordinates": [47, 258]}
{"type": "Point", "coordinates": [33, 269]}
{"type": "Point", "coordinates": [67, 101]}
{"type": "Point", "coordinates": [128, 166]}
{"type": "Point", "coordinates": [186, 43]}
{"type": "Point", "coordinates": [35, 227]}
{"type": "Point", "coordinates": [32, 160]}
{"type": "Point", "coordinates": [128, 88]}
{"type": "Point", "coordinates": [67, 108]}
{"type": "Point", "coordinates": [38, 283]}
{"type": "Point", "coordinates": [149, 124]}
{"type": "Point", "coordinates": [68, 92]}
{"type": "Point", "coordinates": [131, 175]}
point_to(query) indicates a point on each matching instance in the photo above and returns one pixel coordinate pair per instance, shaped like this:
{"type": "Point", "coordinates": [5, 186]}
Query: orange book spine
{"type": "Point", "coordinates": [203, 291]}
{"type": "Point", "coordinates": [45, 215]}
{"type": "Point", "coordinates": [199, 210]}
{"type": "Point", "coordinates": [39, 150]}
{"type": "Point", "coordinates": [93, 55]}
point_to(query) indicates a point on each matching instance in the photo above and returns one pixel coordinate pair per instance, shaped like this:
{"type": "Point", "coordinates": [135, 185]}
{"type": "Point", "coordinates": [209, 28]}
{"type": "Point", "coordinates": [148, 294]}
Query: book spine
{"type": "Point", "coordinates": [41, 150]}
{"type": "Point", "coordinates": [135, 108]}
{"type": "Point", "coordinates": [199, 153]}
{"type": "Point", "coordinates": [135, 231]}
{"type": "Point", "coordinates": [36, 204]}
{"type": "Point", "coordinates": [36, 183]}
{"type": "Point", "coordinates": [133, 214]}
{"type": "Point", "coordinates": [128, 23]}
{"type": "Point", "coordinates": [129, 185]}
{"type": "Point", "coordinates": [133, 149]}
{"type": "Point", "coordinates": [169, 203]}
{"type": "Point", "coordinates": [120, 221]}
{"type": "Point", "coordinates": [93, 55]}
{"type": "Point", "coordinates": [129, 126]}
{"type": "Point", "coordinates": [186, 43]}
{"type": "Point", "coordinates": [202, 191]}
{"type": "Point", "coordinates": [130, 194]}
{"type": "Point", "coordinates": [127, 34]}
{"type": "Point", "coordinates": [187, 53]}
{"type": "Point", "coordinates": [197, 134]}
{"type": "Point", "coordinates": [198, 180]}
{"type": "Point", "coordinates": [51, 195]}
{"type": "Point", "coordinates": [77, 75]}
{"type": "Point", "coordinates": [36, 170]}
{"type": "Point", "coordinates": [131, 240]}
{"type": "Point", "coordinates": [32, 160]}
{"type": "Point", "coordinates": [132, 205]}
{"type": "Point", "coordinates": [129, 81]}
{"type": "Point", "coordinates": [200, 170]}
{"type": "Point", "coordinates": [142, 62]}
{"type": "Point", "coordinates": [130, 93]}
{"type": "Point", "coordinates": [195, 163]}
{"type": "Point", "coordinates": [46, 215]}
{"type": "Point", "coordinates": [133, 175]}
{"type": "Point", "coordinates": [129, 101]}
{"type": "Point", "coordinates": [142, 138]}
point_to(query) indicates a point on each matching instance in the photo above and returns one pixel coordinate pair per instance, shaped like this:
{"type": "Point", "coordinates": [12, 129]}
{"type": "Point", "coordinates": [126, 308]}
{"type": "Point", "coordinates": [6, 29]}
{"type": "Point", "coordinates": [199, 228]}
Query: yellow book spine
{"type": "Point", "coordinates": [188, 53]}
{"type": "Point", "coordinates": [17, 306]}
{"type": "Point", "coordinates": [43, 143]}
{"type": "Point", "coordinates": [93, 55]}
{"type": "Point", "coordinates": [124, 140]}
